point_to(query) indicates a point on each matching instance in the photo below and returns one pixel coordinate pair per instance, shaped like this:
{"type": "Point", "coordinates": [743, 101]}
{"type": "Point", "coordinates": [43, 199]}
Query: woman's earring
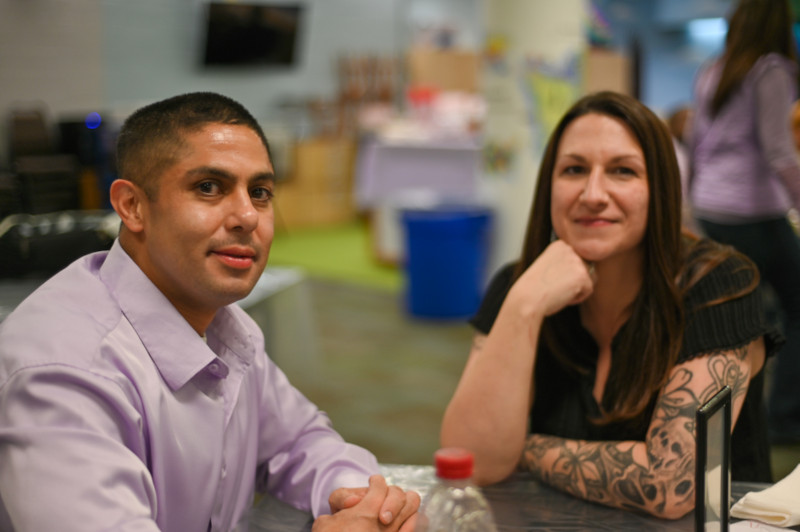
{"type": "Point", "coordinates": [553, 236]}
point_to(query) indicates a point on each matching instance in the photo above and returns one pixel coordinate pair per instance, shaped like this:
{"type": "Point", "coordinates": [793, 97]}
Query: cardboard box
{"type": "Point", "coordinates": [446, 70]}
{"type": "Point", "coordinates": [319, 191]}
{"type": "Point", "coordinates": [607, 70]}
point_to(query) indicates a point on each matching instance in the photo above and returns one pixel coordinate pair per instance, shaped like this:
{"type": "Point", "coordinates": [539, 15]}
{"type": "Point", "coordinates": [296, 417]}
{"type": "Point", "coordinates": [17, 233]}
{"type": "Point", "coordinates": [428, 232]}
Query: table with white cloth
{"type": "Point", "coordinates": [447, 167]}
{"type": "Point", "coordinates": [392, 175]}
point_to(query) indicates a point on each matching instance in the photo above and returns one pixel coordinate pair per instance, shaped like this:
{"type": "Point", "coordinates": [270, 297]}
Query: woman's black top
{"type": "Point", "coordinates": [564, 404]}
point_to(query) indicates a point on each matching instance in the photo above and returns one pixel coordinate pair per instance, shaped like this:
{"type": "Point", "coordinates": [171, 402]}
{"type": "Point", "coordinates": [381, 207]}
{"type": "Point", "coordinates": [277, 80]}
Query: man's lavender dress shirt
{"type": "Point", "coordinates": [116, 415]}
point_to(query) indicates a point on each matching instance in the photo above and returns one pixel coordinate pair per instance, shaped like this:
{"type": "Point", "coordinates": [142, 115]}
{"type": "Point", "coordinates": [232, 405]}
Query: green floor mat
{"type": "Point", "coordinates": [341, 253]}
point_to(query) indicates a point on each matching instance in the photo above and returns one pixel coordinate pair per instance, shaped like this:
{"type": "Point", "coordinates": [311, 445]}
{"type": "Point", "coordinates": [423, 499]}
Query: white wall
{"type": "Point", "coordinates": [51, 56]}
{"type": "Point", "coordinates": [153, 50]}
{"type": "Point", "coordinates": [112, 56]}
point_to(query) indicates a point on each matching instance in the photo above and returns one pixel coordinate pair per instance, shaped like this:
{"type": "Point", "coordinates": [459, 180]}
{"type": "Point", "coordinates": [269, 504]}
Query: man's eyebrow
{"type": "Point", "coordinates": [224, 174]}
{"type": "Point", "coordinates": [263, 176]}
{"type": "Point", "coordinates": [210, 171]}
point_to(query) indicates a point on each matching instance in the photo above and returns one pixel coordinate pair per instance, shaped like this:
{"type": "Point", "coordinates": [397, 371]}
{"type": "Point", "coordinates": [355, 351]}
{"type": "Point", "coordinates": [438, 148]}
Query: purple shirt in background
{"type": "Point", "coordinates": [744, 162]}
{"type": "Point", "coordinates": [116, 415]}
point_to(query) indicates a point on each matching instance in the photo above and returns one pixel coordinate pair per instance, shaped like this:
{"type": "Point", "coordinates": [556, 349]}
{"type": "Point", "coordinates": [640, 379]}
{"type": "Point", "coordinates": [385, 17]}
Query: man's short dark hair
{"type": "Point", "coordinates": [152, 138]}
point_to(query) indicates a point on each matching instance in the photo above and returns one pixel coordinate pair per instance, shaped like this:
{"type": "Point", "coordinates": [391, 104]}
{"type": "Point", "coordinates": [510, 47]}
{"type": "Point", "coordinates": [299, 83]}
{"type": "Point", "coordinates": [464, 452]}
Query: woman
{"type": "Point", "coordinates": [746, 175]}
{"type": "Point", "coordinates": [612, 328]}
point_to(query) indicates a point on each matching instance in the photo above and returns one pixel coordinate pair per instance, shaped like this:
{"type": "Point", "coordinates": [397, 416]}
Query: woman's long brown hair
{"type": "Point", "coordinates": [649, 348]}
{"type": "Point", "coordinates": [755, 28]}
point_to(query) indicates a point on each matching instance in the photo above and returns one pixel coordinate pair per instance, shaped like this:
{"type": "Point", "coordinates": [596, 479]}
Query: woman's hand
{"type": "Point", "coordinates": [557, 278]}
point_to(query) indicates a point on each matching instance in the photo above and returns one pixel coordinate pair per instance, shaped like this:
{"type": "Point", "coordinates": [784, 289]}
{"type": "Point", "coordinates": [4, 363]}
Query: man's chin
{"type": "Point", "coordinates": [233, 292]}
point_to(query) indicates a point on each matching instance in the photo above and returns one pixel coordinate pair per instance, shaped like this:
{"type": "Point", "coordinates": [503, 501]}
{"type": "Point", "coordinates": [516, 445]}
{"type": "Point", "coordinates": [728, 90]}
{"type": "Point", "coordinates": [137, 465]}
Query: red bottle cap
{"type": "Point", "coordinates": [453, 463]}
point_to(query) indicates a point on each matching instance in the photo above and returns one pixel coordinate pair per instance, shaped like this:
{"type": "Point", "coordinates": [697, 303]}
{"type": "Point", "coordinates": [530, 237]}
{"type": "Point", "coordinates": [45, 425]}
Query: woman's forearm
{"type": "Point", "coordinates": [656, 475]}
{"type": "Point", "coordinates": [618, 474]}
{"type": "Point", "coordinates": [490, 408]}
{"type": "Point", "coordinates": [488, 413]}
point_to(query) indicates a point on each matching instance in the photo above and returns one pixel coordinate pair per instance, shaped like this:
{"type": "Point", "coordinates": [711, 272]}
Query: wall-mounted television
{"type": "Point", "coordinates": [251, 34]}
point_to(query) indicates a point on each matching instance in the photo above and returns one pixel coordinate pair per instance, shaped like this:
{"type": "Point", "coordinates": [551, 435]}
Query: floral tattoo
{"type": "Point", "coordinates": [644, 476]}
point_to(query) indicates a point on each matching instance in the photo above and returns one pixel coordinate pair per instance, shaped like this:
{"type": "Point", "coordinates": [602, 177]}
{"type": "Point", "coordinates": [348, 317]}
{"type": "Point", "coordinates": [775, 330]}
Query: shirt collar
{"type": "Point", "coordinates": [177, 350]}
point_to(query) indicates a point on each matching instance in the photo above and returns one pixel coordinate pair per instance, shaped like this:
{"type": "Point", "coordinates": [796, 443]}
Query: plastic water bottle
{"type": "Point", "coordinates": [455, 504]}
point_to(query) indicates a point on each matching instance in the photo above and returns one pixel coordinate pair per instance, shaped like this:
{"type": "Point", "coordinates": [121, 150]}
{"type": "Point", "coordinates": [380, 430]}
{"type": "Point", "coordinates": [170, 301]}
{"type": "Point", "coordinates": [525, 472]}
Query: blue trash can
{"type": "Point", "coordinates": [446, 257]}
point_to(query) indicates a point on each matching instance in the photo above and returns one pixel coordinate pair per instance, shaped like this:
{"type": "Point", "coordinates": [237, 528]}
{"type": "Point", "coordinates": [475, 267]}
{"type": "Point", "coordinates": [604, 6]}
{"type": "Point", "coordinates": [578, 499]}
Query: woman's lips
{"type": "Point", "coordinates": [594, 222]}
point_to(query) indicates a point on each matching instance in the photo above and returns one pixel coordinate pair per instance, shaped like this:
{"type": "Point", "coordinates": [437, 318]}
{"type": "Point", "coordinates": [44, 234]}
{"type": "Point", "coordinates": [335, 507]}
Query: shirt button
{"type": "Point", "coordinates": [214, 368]}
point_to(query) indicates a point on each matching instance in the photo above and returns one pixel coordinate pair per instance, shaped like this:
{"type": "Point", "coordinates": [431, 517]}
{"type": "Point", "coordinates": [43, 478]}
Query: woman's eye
{"type": "Point", "coordinates": [573, 170]}
{"type": "Point", "coordinates": [624, 170]}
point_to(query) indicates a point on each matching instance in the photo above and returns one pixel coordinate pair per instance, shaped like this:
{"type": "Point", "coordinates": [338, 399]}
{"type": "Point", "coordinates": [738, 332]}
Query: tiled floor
{"type": "Point", "coordinates": [385, 378]}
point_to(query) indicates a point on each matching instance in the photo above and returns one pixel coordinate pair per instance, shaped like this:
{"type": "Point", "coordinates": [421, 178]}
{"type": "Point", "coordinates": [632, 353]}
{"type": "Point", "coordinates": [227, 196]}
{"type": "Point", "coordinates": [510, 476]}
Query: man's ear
{"type": "Point", "coordinates": [127, 199]}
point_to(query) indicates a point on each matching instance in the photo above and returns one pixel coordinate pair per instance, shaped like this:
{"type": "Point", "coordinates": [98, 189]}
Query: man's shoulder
{"type": "Point", "coordinates": [63, 321]}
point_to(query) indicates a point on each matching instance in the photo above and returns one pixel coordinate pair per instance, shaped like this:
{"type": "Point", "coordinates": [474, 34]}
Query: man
{"type": "Point", "coordinates": [134, 395]}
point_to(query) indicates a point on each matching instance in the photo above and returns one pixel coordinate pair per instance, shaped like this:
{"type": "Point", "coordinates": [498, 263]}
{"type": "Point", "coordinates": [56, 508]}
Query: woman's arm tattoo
{"type": "Point", "coordinates": [641, 475]}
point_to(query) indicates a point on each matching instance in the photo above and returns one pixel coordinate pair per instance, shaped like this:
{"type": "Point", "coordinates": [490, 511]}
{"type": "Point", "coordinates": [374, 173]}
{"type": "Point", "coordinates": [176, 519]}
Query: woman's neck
{"type": "Point", "coordinates": [609, 307]}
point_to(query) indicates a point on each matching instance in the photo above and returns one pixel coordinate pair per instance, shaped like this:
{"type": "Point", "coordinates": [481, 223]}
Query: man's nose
{"type": "Point", "coordinates": [243, 215]}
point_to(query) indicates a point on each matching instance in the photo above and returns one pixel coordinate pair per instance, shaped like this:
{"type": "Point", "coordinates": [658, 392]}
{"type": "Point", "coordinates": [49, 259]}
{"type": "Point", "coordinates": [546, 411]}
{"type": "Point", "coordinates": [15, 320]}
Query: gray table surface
{"type": "Point", "coordinates": [519, 503]}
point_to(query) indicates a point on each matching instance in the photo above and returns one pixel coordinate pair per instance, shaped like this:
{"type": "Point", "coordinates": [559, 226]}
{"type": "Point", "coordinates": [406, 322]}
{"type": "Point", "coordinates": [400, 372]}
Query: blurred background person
{"type": "Point", "coordinates": [746, 176]}
{"type": "Point", "coordinates": [678, 122]}
{"type": "Point", "coordinates": [796, 125]}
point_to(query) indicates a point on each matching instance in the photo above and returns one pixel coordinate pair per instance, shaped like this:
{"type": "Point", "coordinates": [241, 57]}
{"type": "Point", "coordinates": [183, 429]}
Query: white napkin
{"type": "Point", "coordinates": [777, 505]}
